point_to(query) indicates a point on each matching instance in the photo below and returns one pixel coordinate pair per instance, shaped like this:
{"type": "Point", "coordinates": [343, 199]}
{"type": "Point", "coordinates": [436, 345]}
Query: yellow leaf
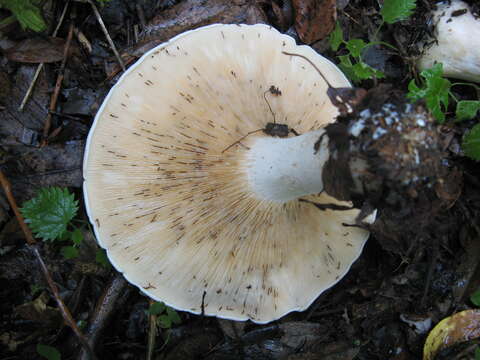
{"type": "Point", "coordinates": [460, 327]}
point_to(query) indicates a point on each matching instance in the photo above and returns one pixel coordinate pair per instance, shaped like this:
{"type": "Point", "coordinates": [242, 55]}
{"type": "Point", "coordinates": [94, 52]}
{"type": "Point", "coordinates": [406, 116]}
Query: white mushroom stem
{"type": "Point", "coordinates": [455, 43]}
{"type": "Point", "coordinates": [283, 169]}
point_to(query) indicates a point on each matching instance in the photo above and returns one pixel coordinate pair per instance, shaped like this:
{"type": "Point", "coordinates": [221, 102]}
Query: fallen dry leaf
{"type": "Point", "coordinates": [37, 50]}
{"type": "Point", "coordinates": [459, 327]}
{"type": "Point", "coordinates": [314, 19]}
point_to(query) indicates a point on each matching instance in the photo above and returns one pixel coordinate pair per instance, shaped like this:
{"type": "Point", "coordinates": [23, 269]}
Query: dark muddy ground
{"type": "Point", "coordinates": [417, 268]}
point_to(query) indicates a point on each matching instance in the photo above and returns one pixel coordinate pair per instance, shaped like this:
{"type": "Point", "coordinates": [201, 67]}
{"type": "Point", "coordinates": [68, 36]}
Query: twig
{"type": "Point", "coordinates": [103, 311]}
{"type": "Point", "coordinates": [152, 333]}
{"type": "Point", "coordinates": [58, 84]}
{"type": "Point", "coordinates": [67, 316]}
{"type": "Point", "coordinates": [7, 188]}
{"type": "Point", "coordinates": [431, 269]}
{"type": "Point", "coordinates": [107, 35]}
{"type": "Point", "coordinates": [40, 66]}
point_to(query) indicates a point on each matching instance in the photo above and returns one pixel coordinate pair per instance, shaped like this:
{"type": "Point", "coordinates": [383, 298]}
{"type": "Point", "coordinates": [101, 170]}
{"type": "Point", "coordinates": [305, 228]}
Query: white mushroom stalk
{"type": "Point", "coordinates": [198, 206]}
{"type": "Point", "coordinates": [454, 43]}
{"type": "Point", "coordinates": [286, 169]}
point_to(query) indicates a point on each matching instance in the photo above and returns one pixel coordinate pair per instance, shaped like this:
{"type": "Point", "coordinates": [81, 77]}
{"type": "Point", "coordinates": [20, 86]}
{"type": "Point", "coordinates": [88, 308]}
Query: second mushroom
{"type": "Point", "coordinates": [195, 201]}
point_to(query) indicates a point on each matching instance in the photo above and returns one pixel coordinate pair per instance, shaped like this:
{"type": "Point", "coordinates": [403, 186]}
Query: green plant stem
{"type": "Point", "coordinates": [453, 96]}
{"type": "Point", "coordinates": [467, 84]}
{"type": "Point", "coordinates": [375, 34]}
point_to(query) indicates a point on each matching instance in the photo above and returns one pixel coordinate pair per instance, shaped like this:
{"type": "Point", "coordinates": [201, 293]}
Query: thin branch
{"type": "Point", "coordinates": [67, 316]}
{"type": "Point", "coordinates": [7, 188]}
{"type": "Point", "coordinates": [40, 66]}
{"type": "Point", "coordinates": [107, 35]}
{"type": "Point", "coordinates": [106, 305]}
{"type": "Point", "coordinates": [58, 85]}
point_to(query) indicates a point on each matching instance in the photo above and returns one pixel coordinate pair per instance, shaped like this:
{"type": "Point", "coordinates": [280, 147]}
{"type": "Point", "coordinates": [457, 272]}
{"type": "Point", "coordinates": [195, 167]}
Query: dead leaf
{"type": "Point", "coordinates": [191, 14]}
{"type": "Point", "coordinates": [314, 19]}
{"type": "Point", "coordinates": [38, 310]}
{"type": "Point", "coordinates": [459, 327]}
{"type": "Point", "coordinates": [37, 50]}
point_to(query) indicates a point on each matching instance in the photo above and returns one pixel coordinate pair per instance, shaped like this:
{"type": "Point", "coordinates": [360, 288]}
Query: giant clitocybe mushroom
{"type": "Point", "coordinates": [194, 202]}
{"type": "Point", "coordinates": [455, 32]}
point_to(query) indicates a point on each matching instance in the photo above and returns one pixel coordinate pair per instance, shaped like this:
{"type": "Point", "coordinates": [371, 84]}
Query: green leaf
{"type": "Point", "coordinates": [477, 353]}
{"type": "Point", "coordinates": [355, 46]}
{"type": "Point", "coordinates": [27, 14]}
{"type": "Point", "coordinates": [471, 143]}
{"type": "Point", "coordinates": [475, 298]}
{"type": "Point", "coordinates": [336, 37]}
{"type": "Point", "coordinates": [156, 308]}
{"type": "Point", "coordinates": [69, 252]}
{"type": "Point", "coordinates": [164, 322]}
{"type": "Point", "coordinates": [49, 213]}
{"type": "Point", "coordinates": [76, 236]}
{"type": "Point", "coordinates": [173, 315]}
{"type": "Point", "coordinates": [347, 67]}
{"type": "Point", "coordinates": [467, 109]}
{"type": "Point", "coordinates": [102, 258]}
{"type": "Point", "coordinates": [435, 90]}
{"type": "Point", "coordinates": [396, 10]}
{"type": "Point", "coordinates": [364, 71]}
{"type": "Point", "coordinates": [48, 352]}
{"type": "Point", "coordinates": [414, 92]}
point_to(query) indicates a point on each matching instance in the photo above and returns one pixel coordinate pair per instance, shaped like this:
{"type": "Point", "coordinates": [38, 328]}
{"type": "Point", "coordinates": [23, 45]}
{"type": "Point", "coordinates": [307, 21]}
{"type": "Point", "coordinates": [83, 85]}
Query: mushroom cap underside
{"type": "Point", "coordinates": [174, 212]}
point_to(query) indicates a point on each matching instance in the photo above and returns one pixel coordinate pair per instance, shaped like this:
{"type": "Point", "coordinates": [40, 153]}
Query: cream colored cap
{"type": "Point", "coordinates": [176, 215]}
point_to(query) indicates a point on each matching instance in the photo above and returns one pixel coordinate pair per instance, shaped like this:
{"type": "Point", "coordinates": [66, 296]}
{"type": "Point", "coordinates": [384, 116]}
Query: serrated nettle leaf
{"type": "Point", "coordinates": [467, 109]}
{"type": "Point", "coordinates": [69, 252]}
{"type": "Point", "coordinates": [336, 37]}
{"type": "Point", "coordinates": [156, 308]}
{"type": "Point", "coordinates": [471, 143]}
{"type": "Point", "coordinates": [49, 213]}
{"type": "Point", "coordinates": [27, 14]}
{"type": "Point", "coordinates": [396, 10]}
{"type": "Point", "coordinates": [76, 236]}
{"type": "Point", "coordinates": [48, 352]}
{"type": "Point", "coordinates": [355, 46]}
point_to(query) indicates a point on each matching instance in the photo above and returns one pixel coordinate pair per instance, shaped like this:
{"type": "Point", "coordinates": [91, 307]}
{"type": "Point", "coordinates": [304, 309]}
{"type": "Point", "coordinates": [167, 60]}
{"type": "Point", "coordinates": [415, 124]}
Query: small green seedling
{"type": "Point", "coordinates": [166, 316]}
{"type": "Point", "coordinates": [436, 91]}
{"type": "Point", "coordinates": [351, 63]}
